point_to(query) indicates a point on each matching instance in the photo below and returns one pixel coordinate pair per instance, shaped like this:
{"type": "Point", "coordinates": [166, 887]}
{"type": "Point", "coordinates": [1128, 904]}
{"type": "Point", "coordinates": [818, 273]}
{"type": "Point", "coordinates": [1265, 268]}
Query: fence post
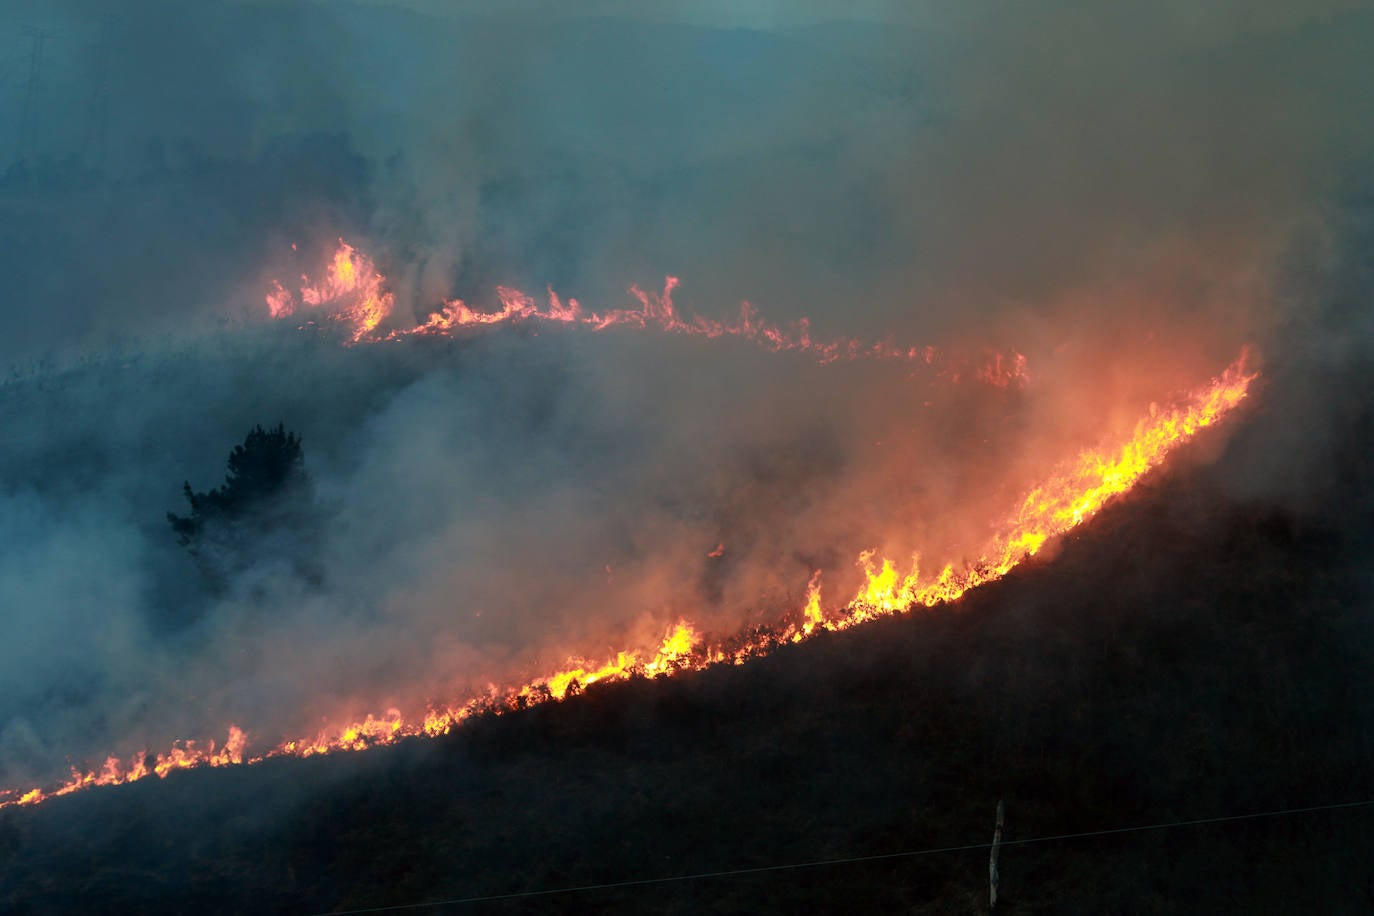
{"type": "Point", "coordinates": [993, 879]}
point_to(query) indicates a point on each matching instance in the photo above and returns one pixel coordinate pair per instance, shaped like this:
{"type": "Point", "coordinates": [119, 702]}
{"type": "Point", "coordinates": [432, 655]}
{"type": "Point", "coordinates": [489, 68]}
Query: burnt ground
{"type": "Point", "coordinates": [1192, 653]}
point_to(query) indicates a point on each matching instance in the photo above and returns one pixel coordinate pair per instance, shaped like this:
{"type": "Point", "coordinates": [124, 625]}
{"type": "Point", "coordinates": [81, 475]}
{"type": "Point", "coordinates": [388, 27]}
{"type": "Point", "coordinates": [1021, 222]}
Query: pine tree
{"type": "Point", "coordinates": [265, 495]}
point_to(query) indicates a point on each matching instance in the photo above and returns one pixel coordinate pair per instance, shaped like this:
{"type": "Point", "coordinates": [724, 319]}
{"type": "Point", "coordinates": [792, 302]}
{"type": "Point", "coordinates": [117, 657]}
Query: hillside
{"type": "Point", "coordinates": [1192, 653]}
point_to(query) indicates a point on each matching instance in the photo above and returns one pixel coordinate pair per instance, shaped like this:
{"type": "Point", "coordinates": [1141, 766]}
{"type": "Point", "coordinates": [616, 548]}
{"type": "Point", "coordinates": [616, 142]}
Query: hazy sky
{"type": "Point", "coordinates": [1213, 19]}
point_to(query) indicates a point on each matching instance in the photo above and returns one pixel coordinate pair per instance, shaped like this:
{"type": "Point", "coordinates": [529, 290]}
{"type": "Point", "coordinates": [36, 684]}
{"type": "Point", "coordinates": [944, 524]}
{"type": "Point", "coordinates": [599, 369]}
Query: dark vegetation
{"type": "Point", "coordinates": [138, 458]}
{"type": "Point", "coordinates": [1193, 653]}
{"type": "Point", "coordinates": [265, 502]}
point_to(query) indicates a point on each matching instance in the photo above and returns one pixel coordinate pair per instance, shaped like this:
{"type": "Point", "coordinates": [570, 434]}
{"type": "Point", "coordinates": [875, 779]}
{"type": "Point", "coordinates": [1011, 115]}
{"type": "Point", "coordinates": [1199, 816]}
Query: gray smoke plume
{"type": "Point", "coordinates": [1125, 196]}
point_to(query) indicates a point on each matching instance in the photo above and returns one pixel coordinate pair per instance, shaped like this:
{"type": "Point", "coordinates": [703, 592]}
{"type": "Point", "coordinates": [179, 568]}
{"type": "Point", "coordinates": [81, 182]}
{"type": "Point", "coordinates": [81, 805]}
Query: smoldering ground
{"type": "Point", "coordinates": [1115, 195]}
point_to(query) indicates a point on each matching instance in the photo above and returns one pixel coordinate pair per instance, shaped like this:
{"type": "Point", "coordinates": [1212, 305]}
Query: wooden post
{"type": "Point", "coordinates": [993, 879]}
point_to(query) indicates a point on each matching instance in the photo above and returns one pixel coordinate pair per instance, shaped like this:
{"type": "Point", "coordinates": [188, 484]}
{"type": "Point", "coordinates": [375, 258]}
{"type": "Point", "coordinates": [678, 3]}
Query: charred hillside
{"type": "Point", "coordinates": [1194, 652]}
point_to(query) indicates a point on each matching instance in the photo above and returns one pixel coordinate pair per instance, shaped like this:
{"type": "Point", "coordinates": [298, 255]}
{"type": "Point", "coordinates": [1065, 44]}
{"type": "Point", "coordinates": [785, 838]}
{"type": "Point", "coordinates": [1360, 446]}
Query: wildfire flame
{"type": "Point", "coordinates": [352, 282]}
{"type": "Point", "coordinates": [1066, 498]}
{"type": "Point", "coordinates": [357, 291]}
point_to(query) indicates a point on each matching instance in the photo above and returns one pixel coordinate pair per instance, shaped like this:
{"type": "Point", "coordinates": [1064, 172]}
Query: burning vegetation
{"type": "Point", "coordinates": [353, 296]}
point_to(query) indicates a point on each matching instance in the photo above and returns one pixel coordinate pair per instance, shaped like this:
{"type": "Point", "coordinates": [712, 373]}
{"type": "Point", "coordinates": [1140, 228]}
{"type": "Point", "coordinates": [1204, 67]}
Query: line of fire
{"type": "Point", "coordinates": [353, 297]}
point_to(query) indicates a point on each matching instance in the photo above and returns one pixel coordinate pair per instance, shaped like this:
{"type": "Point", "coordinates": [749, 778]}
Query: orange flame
{"type": "Point", "coordinates": [1002, 372]}
{"type": "Point", "coordinates": [356, 290]}
{"type": "Point", "coordinates": [1068, 497]}
{"type": "Point", "coordinates": [812, 616]}
{"type": "Point", "coordinates": [352, 283]}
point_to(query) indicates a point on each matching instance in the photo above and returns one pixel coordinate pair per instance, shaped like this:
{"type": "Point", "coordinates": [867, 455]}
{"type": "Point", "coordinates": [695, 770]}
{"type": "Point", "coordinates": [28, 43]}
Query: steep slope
{"type": "Point", "coordinates": [1190, 654]}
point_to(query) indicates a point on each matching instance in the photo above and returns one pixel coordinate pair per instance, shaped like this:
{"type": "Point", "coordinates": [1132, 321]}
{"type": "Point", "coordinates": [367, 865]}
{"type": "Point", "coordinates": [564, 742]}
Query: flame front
{"type": "Point", "coordinates": [360, 304]}
{"type": "Point", "coordinates": [352, 283]}
{"type": "Point", "coordinates": [1066, 498]}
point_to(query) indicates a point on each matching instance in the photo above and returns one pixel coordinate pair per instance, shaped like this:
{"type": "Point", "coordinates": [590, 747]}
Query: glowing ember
{"type": "Point", "coordinates": [1068, 497]}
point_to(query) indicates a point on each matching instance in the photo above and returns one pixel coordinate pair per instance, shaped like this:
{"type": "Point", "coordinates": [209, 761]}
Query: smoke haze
{"type": "Point", "coordinates": [1125, 197]}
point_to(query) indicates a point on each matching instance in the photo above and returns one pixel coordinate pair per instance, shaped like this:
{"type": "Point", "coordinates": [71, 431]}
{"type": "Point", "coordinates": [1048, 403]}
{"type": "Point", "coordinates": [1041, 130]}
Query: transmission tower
{"type": "Point", "coordinates": [27, 146]}
{"type": "Point", "coordinates": [98, 107]}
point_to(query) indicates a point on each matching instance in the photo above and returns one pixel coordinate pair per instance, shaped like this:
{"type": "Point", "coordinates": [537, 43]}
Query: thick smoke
{"type": "Point", "coordinates": [1126, 197]}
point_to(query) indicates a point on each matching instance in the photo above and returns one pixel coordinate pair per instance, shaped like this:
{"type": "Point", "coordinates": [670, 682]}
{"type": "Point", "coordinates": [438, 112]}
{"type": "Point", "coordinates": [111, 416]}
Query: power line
{"type": "Point", "coordinates": [736, 872]}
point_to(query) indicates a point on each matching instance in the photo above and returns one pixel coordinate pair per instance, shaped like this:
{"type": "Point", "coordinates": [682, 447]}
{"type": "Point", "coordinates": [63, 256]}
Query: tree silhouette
{"type": "Point", "coordinates": [265, 506]}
